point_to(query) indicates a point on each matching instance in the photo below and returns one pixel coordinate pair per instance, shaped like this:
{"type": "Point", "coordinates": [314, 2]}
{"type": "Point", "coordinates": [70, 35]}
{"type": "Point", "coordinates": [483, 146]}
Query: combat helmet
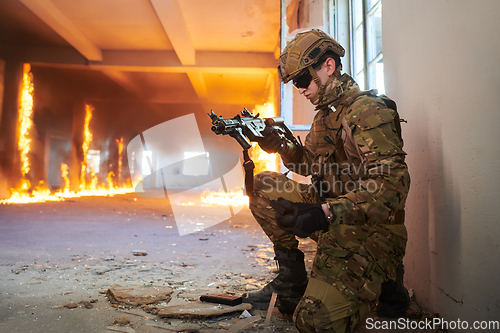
{"type": "Point", "coordinates": [303, 52]}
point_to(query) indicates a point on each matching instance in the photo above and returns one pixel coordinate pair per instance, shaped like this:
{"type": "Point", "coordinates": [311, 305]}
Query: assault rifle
{"type": "Point", "coordinates": [246, 128]}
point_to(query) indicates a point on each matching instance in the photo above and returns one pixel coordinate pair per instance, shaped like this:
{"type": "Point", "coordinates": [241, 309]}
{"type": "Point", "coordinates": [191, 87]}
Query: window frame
{"type": "Point", "coordinates": [338, 22]}
{"type": "Point", "coordinates": [369, 80]}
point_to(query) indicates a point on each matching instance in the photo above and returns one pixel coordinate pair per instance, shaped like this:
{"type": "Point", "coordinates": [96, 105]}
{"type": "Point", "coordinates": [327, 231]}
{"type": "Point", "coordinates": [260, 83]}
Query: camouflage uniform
{"type": "Point", "coordinates": [366, 182]}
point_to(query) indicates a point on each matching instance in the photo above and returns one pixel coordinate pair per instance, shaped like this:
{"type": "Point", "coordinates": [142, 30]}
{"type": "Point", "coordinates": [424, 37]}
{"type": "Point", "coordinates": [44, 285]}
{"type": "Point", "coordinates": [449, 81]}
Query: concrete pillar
{"type": "Point", "coordinates": [40, 147]}
{"type": "Point", "coordinates": [76, 159]}
{"type": "Point", "coordinates": [2, 75]}
{"type": "Point", "coordinates": [11, 81]}
{"type": "Point", "coordinates": [46, 155]}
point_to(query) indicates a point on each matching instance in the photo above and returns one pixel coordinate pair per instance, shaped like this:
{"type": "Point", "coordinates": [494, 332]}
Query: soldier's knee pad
{"type": "Point", "coordinates": [323, 309]}
{"type": "Point", "coordinates": [268, 181]}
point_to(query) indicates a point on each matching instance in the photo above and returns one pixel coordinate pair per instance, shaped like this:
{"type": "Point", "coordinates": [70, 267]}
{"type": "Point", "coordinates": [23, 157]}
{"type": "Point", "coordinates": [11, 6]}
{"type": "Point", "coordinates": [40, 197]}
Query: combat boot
{"type": "Point", "coordinates": [290, 284]}
{"type": "Point", "coordinates": [394, 299]}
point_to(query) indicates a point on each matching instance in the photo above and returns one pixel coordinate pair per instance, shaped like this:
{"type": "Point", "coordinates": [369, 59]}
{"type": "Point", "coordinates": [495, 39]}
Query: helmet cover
{"type": "Point", "coordinates": [304, 50]}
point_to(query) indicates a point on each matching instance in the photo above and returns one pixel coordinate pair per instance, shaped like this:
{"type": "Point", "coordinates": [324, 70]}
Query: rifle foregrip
{"type": "Point", "coordinates": [242, 140]}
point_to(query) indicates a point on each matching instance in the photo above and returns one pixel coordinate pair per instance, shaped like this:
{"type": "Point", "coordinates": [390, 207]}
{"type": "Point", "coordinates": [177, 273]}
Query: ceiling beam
{"type": "Point", "coordinates": [42, 54]}
{"type": "Point", "coordinates": [159, 69]}
{"type": "Point", "coordinates": [206, 62]}
{"type": "Point", "coordinates": [55, 19]}
{"type": "Point", "coordinates": [172, 19]}
{"type": "Point", "coordinates": [146, 61]}
{"type": "Point", "coordinates": [199, 85]}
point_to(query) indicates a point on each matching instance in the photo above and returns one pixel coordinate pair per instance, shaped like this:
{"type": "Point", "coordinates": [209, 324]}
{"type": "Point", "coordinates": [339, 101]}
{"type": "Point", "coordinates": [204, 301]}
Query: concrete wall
{"type": "Point", "coordinates": [442, 66]}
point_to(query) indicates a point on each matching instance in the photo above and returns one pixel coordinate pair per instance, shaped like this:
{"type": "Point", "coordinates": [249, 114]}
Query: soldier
{"type": "Point", "coordinates": [354, 209]}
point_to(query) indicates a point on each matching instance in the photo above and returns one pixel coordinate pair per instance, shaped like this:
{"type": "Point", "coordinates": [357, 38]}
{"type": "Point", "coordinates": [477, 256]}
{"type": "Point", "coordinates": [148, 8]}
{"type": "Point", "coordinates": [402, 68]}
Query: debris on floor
{"type": "Point", "coordinates": [244, 324]}
{"type": "Point", "coordinates": [222, 299]}
{"type": "Point", "coordinates": [177, 330]}
{"type": "Point", "coordinates": [88, 304]}
{"type": "Point", "coordinates": [121, 321]}
{"type": "Point", "coordinates": [200, 309]}
{"type": "Point", "coordinates": [159, 292]}
{"type": "Point", "coordinates": [70, 305]}
{"type": "Point", "coordinates": [136, 296]}
{"type": "Point", "coordinates": [124, 329]}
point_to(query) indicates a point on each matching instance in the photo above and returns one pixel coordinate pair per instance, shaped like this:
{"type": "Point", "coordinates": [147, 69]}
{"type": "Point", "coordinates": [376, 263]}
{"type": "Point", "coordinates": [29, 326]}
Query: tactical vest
{"type": "Point", "coordinates": [338, 160]}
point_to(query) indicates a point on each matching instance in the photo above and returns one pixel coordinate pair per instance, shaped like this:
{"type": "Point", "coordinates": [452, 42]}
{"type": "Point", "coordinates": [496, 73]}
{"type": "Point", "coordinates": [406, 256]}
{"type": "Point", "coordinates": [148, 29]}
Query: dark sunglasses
{"type": "Point", "coordinates": [302, 80]}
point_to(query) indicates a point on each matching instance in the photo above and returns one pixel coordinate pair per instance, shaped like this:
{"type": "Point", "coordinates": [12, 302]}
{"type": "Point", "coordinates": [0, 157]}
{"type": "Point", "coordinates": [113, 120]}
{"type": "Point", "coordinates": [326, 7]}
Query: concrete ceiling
{"type": "Point", "coordinates": [220, 51]}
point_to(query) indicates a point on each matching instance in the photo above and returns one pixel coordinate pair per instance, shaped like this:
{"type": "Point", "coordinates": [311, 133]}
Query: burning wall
{"type": "Point", "coordinates": [59, 101]}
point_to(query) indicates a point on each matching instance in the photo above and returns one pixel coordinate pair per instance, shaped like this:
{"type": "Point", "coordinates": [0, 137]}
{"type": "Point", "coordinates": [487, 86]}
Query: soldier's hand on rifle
{"type": "Point", "coordinates": [271, 142]}
{"type": "Point", "coordinates": [302, 219]}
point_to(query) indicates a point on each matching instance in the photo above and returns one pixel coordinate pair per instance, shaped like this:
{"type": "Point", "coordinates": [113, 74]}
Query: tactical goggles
{"type": "Point", "coordinates": [302, 80]}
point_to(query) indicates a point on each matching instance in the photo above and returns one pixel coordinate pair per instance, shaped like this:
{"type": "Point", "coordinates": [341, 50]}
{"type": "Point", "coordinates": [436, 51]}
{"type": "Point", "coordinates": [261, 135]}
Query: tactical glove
{"type": "Point", "coordinates": [271, 142]}
{"type": "Point", "coordinates": [300, 218]}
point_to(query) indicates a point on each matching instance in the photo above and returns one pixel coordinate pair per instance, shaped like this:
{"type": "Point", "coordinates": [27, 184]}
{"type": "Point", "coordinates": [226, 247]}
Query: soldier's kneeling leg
{"type": "Point", "coordinates": [291, 282]}
{"type": "Point", "coordinates": [269, 186]}
{"type": "Point", "coordinates": [323, 308]}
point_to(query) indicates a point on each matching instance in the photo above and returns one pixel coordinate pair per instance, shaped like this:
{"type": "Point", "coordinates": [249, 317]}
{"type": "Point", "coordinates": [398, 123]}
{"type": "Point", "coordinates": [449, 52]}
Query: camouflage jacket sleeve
{"type": "Point", "coordinates": [383, 190]}
{"type": "Point", "coordinates": [293, 157]}
{"type": "Point", "coordinates": [297, 158]}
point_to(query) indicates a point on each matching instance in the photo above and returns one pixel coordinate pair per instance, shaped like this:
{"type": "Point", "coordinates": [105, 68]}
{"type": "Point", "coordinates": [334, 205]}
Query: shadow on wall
{"type": "Point", "coordinates": [434, 208]}
{"type": "Point", "coordinates": [445, 223]}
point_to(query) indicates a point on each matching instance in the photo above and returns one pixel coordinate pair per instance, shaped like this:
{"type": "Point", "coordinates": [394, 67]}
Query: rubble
{"type": "Point", "coordinates": [70, 305]}
{"type": "Point", "coordinates": [126, 329]}
{"type": "Point", "coordinates": [183, 330]}
{"type": "Point", "coordinates": [136, 296]}
{"type": "Point", "coordinates": [200, 310]}
{"type": "Point", "coordinates": [122, 330]}
{"type": "Point", "coordinates": [244, 324]}
{"type": "Point", "coordinates": [121, 321]}
{"type": "Point", "coordinates": [160, 294]}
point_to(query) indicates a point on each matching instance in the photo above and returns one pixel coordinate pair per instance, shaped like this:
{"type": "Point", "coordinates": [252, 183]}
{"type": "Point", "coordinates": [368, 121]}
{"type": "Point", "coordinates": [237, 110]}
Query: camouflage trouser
{"type": "Point", "coordinates": [269, 186]}
{"type": "Point", "coordinates": [351, 261]}
{"type": "Point", "coordinates": [350, 266]}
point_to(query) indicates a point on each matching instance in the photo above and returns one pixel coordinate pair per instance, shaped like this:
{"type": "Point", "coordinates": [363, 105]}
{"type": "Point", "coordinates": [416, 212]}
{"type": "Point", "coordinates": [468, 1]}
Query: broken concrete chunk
{"type": "Point", "coordinates": [244, 324]}
{"type": "Point", "coordinates": [121, 321]}
{"type": "Point", "coordinates": [250, 287]}
{"type": "Point", "coordinates": [150, 309]}
{"type": "Point", "coordinates": [245, 314]}
{"type": "Point", "coordinates": [70, 305]}
{"type": "Point", "coordinates": [178, 330]}
{"type": "Point", "coordinates": [200, 309]}
{"type": "Point", "coordinates": [88, 304]}
{"type": "Point", "coordinates": [121, 329]}
{"type": "Point", "coordinates": [136, 296]}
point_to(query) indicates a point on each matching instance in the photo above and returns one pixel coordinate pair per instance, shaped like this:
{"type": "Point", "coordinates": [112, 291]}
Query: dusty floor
{"type": "Point", "coordinates": [56, 253]}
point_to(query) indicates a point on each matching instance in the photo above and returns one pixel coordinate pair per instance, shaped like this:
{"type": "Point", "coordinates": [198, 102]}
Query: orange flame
{"type": "Point", "coordinates": [25, 118]}
{"type": "Point", "coordinates": [120, 158]}
{"type": "Point", "coordinates": [41, 193]}
{"type": "Point", "coordinates": [262, 160]}
{"type": "Point", "coordinates": [24, 143]}
{"type": "Point", "coordinates": [87, 139]}
{"type": "Point", "coordinates": [224, 198]}
{"type": "Point", "coordinates": [64, 174]}
{"type": "Point", "coordinates": [109, 179]}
